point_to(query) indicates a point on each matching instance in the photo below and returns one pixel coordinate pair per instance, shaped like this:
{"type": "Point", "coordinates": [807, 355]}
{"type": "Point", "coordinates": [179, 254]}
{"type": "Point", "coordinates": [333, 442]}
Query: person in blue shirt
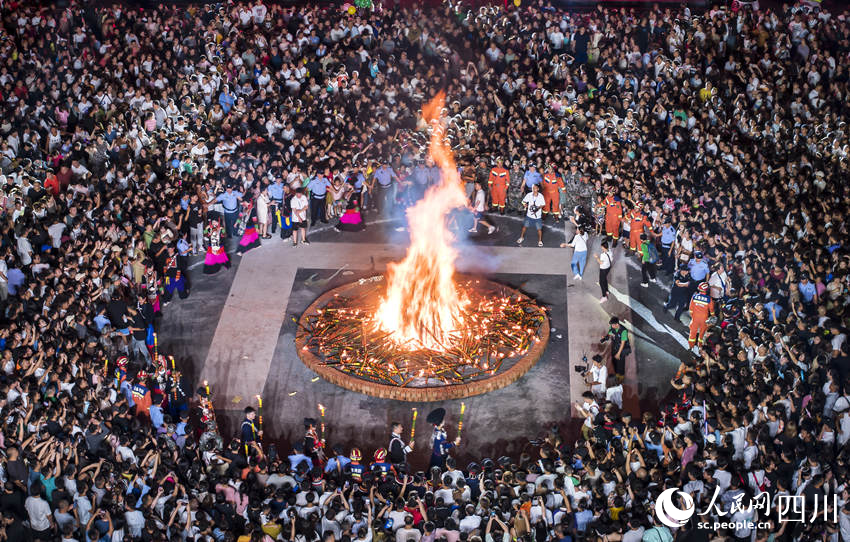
{"type": "Point", "coordinates": [275, 191]}
{"type": "Point", "coordinates": [420, 177]}
{"type": "Point", "coordinates": [773, 310]}
{"type": "Point", "coordinates": [385, 188]}
{"type": "Point", "coordinates": [668, 239]}
{"type": "Point", "coordinates": [226, 99]}
{"type": "Point", "coordinates": [808, 290]}
{"type": "Point", "coordinates": [699, 268]}
{"type": "Point", "coordinates": [155, 410]}
{"type": "Point", "coordinates": [532, 177]}
{"type": "Point", "coordinates": [338, 461]}
{"type": "Point", "coordinates": [298, 457]}
{"type": "Point", "coordinates": [230, 201]}
{"type": "Point", "coordinates": [318, 187]}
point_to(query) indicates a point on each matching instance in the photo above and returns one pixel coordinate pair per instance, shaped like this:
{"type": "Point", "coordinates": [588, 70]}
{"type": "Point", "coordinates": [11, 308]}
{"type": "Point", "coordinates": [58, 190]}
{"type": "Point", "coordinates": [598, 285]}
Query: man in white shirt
{"type": "Point", "coordinates": [479, 200]}
{"type": "Point", "coordinates": [41, 519]}
{"type": "Point", "coordinates": [258, 11]}
{"type": "Point", "coordinates": [533, 203]}
{"type": "Point", "coordinates": [299, 205]}
{"type": "Point", "coordinates": [597, 377]}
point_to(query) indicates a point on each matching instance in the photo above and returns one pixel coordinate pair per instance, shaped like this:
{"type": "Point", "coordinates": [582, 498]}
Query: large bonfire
{"type": "Point", "coordinates": [423, 307]}
{"type": "Point", "coordinates": [428, 327]}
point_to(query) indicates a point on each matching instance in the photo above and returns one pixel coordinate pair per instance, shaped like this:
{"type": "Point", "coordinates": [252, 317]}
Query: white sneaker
{"type": "Point", "coordinates": [577, 277]}
{"type": "Point", "coordinates": [653, 281]}
{"type": "Point", "coordinates": [491, 230]}
{"type": "Point", "coordinates": [644, 284]}
{"type": "Point", "coordinates": [520, 240]}
{"type": "Point", "coordinates": [603, 299]}
{"type": "Point", "coordinates": [472, 230]}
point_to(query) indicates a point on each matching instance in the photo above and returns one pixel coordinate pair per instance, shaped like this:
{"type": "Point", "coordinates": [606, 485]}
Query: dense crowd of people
{"type": "Point", "coordinates": [715, 145]}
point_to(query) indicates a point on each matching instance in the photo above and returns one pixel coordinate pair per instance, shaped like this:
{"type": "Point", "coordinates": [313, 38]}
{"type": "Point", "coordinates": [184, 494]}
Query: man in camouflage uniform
{"type": "Point", "coordinates": [515, 187]}
{"type": "Point", "coordinates": [482, 172]}
{"type": "Point", "coordinates": [579, 191]}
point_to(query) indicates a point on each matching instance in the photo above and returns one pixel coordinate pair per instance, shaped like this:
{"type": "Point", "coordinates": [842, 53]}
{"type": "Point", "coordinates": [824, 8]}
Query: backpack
{"type": "Point", "coordinates": [653, 252]}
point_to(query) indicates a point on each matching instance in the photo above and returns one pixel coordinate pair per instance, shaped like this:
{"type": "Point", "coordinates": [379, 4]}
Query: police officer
{"type": "Point", "coordinates": [318, 188]}
{"type": "Point", "coordinates": [276, 195]}
{"type": "Point", "coordinates": [398, 450]}
{"type": "Point", "coordinates": [385, 188]}
{"type": "Point", "coordinates": [230, 201]}
{"type": "Point", "coordinates": [531, 178]}
{"type": "Point", "coordinates": [668, 240]}
{"type": "Point", "coordinates": [699, 268]}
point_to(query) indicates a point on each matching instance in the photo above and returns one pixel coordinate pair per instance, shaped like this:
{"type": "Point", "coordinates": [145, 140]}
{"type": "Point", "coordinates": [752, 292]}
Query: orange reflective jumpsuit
{"type": "Point", "coordinates": [551, 186]}
{"type": "Point", "coordinates": [701, 308]}
{"type": "Point", "coordinates": [498, 186]}
{"type": "Point", "coordinates": [613, 215]}
{"type": "Point", "coordinates": [638, 222]}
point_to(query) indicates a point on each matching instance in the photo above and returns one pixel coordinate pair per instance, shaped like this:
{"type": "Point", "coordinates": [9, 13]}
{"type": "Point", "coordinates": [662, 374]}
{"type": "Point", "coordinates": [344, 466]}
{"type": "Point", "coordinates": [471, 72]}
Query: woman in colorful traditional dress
{"type": "Point", "coordinates": [216, 257]}
{"type": "Point", "coordinates": [351, 219]}
{"type": "Point", "coordinates": [250, 237]}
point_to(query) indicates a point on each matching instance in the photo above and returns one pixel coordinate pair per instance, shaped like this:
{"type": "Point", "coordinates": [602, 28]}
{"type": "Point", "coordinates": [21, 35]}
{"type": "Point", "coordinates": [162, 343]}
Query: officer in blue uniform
{"type": "Point", "coordinates": [439, 439]}
{"type": "Point", "coordinates": [276, 195]}
{"type": "Point", "coordinates": [668, 238]}
{"type": "Point", "coordinates": [531, 177]}
{"type": "Point", "coordinates": [318, 188]}
{"type": "Point", "coordinates": [385, 187]}
{"type": "Point", "coordinates": [230, 201]}
{"type": "Point", "coordinates": [420, 176]}
{"type": "Point", "coordinates": [699, 268]}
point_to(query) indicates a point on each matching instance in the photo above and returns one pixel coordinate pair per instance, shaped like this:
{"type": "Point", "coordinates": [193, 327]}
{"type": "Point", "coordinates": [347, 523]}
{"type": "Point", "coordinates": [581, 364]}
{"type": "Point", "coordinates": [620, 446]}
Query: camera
{"type": "Point", "coordinates": [582, 369]}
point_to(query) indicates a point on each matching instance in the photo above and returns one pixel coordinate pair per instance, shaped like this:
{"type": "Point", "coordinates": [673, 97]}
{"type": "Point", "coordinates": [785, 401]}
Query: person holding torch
{"type": "Point", "coordinates": [398, 450]}
{"type": "Point", "coordinates": [439, 439]}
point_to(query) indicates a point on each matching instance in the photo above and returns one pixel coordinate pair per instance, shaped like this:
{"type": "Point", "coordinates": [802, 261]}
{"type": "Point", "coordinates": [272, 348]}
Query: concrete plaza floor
{"type": "Point", "coordinates": [236, 332]}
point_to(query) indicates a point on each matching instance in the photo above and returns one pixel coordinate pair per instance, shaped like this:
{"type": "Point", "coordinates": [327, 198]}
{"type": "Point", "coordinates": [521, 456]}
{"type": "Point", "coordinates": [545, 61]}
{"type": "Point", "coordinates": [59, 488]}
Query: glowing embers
{"type": "Point", "coordinates": [496, 327]}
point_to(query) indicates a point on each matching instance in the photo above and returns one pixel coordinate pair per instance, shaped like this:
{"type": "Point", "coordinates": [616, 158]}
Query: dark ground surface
{"type": "Point", "coordinates": [507, 417]}
{"type": "Point", "coordinates": [394, 230]}
{"type": "Point", "coordinates": [509, 414]}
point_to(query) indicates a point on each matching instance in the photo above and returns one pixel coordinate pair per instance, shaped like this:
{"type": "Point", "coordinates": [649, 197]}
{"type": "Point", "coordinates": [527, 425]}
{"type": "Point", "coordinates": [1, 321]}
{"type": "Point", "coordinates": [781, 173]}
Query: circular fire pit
{"type": "Point", "coordinates": [503, 335]}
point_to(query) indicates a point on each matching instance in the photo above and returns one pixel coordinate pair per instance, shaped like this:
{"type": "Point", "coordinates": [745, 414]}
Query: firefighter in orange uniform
{"type": "Point", "coordinates": [638, 223]}
{"type": "Point", "coordinates": [497, 184]}
{"type": "Point", "coordinates": [551, 187]}
{"type": "Point", "coordinates": [701, 308]}
{"type": "Point", "coordinates": [142, 394]}
{"type": "Point", "coordinates": [613, 216]}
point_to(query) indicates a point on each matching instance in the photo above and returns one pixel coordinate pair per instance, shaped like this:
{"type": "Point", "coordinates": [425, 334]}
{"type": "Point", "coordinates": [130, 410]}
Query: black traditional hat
{"type": "Point", "coordinates": [436, 416]}
{"type": "Point", "coordinates": [309, 421]}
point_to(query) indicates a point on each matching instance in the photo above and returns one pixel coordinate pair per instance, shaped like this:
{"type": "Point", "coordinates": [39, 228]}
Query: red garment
{"type": "Point", "coordinates": [701, 308]}
{"type": "Point", "coordinates": [51, 183]}
{"type": "Point", "coordinates": [550, 187]}
{"type": "Point", "coordinates": [613, 215]}
{"type": "Point", "coordinates": [638, 223]}
{"type": "Point", "coordinates": [498, 183]}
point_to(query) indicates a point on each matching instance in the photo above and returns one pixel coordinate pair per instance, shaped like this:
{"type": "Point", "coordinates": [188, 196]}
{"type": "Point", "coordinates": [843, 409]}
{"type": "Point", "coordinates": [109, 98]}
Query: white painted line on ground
{"type": "Point", "coordinates": [646, 313]}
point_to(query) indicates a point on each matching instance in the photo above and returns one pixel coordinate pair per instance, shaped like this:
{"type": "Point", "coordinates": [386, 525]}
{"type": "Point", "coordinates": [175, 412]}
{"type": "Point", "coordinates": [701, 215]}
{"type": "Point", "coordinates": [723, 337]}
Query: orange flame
{"type": "Point", "coordinates": [422, 306]}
